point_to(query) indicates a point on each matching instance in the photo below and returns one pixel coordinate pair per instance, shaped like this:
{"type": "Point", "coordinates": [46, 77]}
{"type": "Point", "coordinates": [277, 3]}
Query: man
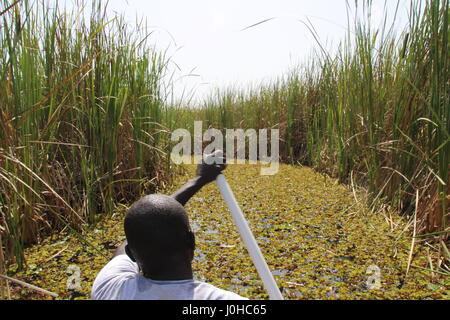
{"type": "Point", "coordinates": [155, 263]}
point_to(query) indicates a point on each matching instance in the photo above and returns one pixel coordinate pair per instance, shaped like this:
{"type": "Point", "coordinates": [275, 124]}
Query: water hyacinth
{"type": "Point", "coordinates": [319, 245]}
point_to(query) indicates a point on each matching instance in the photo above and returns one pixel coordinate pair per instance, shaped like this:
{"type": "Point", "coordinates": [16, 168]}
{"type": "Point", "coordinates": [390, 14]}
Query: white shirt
{"type": "Point", "coordinates": [120, 280]}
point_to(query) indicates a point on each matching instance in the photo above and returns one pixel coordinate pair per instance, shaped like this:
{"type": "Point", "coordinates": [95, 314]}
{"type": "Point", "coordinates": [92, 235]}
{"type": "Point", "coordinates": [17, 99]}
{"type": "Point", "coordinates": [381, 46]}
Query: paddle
{"type": "Point", "coordinates": [249, 239]}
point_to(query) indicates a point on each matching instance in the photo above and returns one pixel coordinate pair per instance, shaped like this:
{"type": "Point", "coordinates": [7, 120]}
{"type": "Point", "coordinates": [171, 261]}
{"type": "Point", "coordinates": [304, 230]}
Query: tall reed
{"type": "Point", "coordinates": [81, 107]}
{"type": "Point", "coordinates": [376, 113]}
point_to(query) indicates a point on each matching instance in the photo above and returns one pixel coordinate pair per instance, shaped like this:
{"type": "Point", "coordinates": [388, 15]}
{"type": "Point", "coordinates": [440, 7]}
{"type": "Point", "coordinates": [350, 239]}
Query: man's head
{"type": "Point", "coordinates": [159, 237]}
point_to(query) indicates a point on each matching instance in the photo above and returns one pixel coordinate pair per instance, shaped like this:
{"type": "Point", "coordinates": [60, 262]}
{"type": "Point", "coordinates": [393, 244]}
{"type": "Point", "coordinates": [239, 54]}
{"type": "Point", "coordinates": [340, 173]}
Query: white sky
{"type": "Point", "coordinates": [209, 40]}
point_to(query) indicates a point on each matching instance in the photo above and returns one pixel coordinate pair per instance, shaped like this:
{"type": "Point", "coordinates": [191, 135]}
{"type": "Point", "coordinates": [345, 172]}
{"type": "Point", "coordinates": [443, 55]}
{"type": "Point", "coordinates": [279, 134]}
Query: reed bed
{"type": "Point", "coordinates": [81, 107]}
{"type": "Point", "coordinates": [85, 124]}
{"type": "Point", "coordinates": [376, 114]}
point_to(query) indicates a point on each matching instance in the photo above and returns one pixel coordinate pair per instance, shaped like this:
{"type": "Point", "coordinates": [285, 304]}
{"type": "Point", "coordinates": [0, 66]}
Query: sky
{"type": "Point", "coordinates": [210, 47]}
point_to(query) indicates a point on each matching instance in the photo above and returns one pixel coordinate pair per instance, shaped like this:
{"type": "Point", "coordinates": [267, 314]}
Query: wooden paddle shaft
{"type": "Point", "coordinates": [249, 239]}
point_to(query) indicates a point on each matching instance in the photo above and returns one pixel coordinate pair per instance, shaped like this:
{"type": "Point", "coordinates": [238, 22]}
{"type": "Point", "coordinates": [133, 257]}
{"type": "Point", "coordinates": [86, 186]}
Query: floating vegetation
{"type": "Point", "coordinates": [321, 245]}
{"type": "Point", "coordinates": [81, 118]}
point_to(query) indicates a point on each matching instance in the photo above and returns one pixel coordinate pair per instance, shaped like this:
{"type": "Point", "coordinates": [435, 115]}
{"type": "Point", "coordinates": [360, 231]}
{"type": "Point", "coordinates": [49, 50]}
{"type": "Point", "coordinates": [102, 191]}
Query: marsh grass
{"type": "Point", "coordinates": [376, 114]}
{"type": "Point", "coordinates": [81, 109]}
{"type": "Point", "coordinates": [85, 124]}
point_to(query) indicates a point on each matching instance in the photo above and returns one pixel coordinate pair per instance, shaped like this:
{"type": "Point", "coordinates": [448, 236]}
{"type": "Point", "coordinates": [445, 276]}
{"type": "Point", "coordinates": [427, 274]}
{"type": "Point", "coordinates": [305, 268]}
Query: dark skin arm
{"type": "Point", "coordinates": [206, 173]}
{"type": "Point", "coordinates": [185, 193]}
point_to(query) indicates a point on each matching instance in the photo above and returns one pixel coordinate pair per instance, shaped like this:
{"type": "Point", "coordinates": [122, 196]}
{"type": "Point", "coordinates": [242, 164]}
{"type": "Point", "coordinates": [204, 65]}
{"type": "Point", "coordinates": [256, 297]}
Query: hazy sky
{"type": "Point", "coordinates": [207, 36]}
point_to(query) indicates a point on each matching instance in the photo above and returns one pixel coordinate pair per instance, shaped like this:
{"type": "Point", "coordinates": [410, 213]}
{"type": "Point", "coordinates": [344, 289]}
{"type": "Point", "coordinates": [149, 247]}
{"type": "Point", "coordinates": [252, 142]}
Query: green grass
{"type": "Point", "coordinates": [376, 114]}
{"type": "Point", "coordinates": [85, 123]}
{"type": "Point", "coordinates": [81, 102]}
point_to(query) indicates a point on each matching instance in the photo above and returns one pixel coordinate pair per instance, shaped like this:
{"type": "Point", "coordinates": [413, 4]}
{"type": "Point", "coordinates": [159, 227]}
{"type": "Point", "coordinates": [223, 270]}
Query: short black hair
{"type": "Point", "coordinates": [158, 234]}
